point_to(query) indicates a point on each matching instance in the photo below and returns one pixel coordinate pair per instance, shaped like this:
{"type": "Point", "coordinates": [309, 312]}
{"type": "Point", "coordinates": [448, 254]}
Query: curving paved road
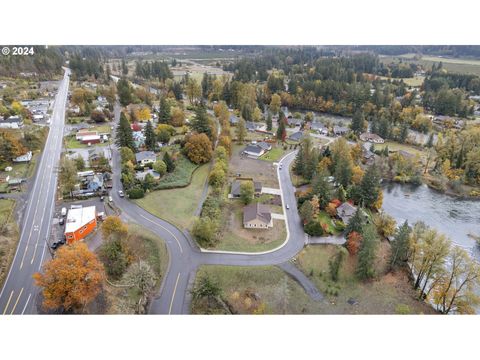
{"type": "Point", "coordinates": [184, 255]}
{"type": "Point", "coordinates": [19, 291]}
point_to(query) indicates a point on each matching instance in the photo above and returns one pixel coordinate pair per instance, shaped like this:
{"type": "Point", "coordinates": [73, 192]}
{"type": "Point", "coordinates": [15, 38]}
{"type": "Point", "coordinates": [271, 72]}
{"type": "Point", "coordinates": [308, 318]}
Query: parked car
{"type": "Point", "coordinates": [120, 193]}
{"type": "Point", "coordinates": [64, 211]}
{"type": "Point", "coordinates": [102, 198]}
{"type": "Point", "coordinates": [110, 199]}
{"type": "Point", "coordinates": [61, 221]}
{"type": "Point", "coordinates": [287, 206]}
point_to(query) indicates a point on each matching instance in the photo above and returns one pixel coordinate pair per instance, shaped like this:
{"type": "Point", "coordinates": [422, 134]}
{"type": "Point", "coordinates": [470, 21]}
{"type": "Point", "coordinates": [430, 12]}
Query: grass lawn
{"type": "Point", "coordinates": [102, 129]}
{"type": "Point", "coordinates": [72, 143]}
{"type": "Point", "coordinates": [75, 119]}
{"type": "Point", "coordinates": [234, 237]}
{"type": "Point", "coordinates": [324, 218]}
{"type": "Point", "coordinates": [382, 295]}
{"type": "Point", "coordinates": [177, 205]}
{"type": "Point", "coordinates": [395, 146]}
{"type": "Point", "coordinates": [262, 289]}
{"type": "Point", "coordinates": [274, 155]}
{"type": "Point", "coordinates": [181, 176]}
{"type": "Point", "coordinates": [8, 236]}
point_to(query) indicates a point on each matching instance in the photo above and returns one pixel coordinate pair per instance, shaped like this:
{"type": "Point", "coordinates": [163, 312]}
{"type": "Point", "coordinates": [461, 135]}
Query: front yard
{"type": "Point", "coordinates": [275, 154]}
{"type": "Point", "coordinates": [234, 237]}
{"type": "Point", "coordinates": [177, 205]}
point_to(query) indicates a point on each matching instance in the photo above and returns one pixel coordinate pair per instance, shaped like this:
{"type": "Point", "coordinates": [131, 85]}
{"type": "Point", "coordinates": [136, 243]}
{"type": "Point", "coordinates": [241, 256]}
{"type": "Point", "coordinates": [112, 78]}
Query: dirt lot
{"type": "Point", "coordinates": [259, 170]}
{"type": "Point", "coordinates": [234, 237]}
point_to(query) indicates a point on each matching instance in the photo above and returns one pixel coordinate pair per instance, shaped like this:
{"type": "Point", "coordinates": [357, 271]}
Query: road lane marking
{"type": "Point", "coordinates": [56, 111]}
{"type": "Point", "coordinates": [25, 307]}
{"type": "Point", "coordinates": [8, 303]}
{"type": "Point", "coordinates": [16, 302]}
{"type": "Point", "coordinates": [23, 257]}
{"type": "Point", "coordinates": [173, 295]}
{"type": "Point", "coordinates": [163, 227]}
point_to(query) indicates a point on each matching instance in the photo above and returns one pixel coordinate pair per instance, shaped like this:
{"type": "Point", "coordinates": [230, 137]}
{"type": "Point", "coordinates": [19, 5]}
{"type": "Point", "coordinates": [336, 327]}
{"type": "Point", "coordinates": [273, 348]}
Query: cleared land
{"type": "Point", "coordinates": [259, 170]}
{"type": "Point", "coordinates": [247, 290]}
{"type": "Point", "coordinates": [383, 295]}
{"type": "Point", "coordinates": [234, 237]}
{"type": "Point", "coordinates": [177, 205]}
{"type": "Point", "coordinates": [180, 176]}
{"type": "Point", "coordinates": [466, 66]}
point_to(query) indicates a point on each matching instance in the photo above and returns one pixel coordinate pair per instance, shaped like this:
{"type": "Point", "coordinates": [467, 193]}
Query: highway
{"type": "Point", "coordinates": [19, 293]}
{"type": "Point", "coordinates": [185, 256]}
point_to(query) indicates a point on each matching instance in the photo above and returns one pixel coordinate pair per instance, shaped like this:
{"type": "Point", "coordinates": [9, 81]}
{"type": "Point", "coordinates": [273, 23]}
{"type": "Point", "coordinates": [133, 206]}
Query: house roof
{"type": "Point", "coordinates": [76, 218]}
{"type": "Point", "coordinates": [317, 126]}
{"type": "Point", "coordinates": [340, 129]}
{"type": "Point", "coordinates": [296, 136]}
{"type": "Point", "coordinates": [253, 148]}
{"type": "Point", "coordinates": [346, 210]}
{"type": "Point", "coordinates": [264, 145]}
{"type": "Point", "coordinates": [234, 119]}
{"type": "Point", "coordinates": [257, 185]}
{"type": "Point", "coordinates": [257, 211]}
{"type": "Point", "coordinates": [366, 136]}
{"type": "Point", "coordinates": [12, 119]}
{"type": "Point", "coordinates": [145, 155]}
{"type": "Point", "coordinates": [97, 151]}
{"type": "Point", "coordinates": [90, 137]}
{"type": "Point", "coordinates": [251, 125]}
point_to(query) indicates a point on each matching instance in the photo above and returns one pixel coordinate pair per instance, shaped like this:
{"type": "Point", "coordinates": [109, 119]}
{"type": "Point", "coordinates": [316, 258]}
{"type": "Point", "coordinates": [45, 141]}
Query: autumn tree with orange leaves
{"type": "Point", "coordinates": [71, 280]}
{"type": "Point", "coordinates": [354, 240]}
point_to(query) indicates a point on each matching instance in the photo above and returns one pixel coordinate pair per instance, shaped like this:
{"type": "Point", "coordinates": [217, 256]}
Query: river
{"type": "Point", "coordinates": [452, 216]}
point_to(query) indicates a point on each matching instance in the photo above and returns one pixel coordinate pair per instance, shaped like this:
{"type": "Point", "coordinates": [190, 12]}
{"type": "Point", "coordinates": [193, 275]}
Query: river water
{"type": "Point", "coordinates": [452, 216]}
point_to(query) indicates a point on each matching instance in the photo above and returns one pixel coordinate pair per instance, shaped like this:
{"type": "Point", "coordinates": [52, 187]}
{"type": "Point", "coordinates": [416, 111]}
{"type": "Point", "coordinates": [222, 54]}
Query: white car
{"type": "Point", "coordinates": [120, 193]}
{"type": "Point", "coordinates": [110, 199]}
{"type": "Point", "coordinates": [287, 206]}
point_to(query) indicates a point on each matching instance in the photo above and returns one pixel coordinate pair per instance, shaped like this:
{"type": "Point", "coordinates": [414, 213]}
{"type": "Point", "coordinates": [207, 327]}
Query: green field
{"type": "Point", "coordinates": [466, 66]}
{"type": "Point", "coordinates": [274, 155]}
{"type": "Point", "coordinates": [180, 176]}
{"type": "Point", "coordinates": [177, 205]}
{"type": "Point", "coordinates": [8, 236]}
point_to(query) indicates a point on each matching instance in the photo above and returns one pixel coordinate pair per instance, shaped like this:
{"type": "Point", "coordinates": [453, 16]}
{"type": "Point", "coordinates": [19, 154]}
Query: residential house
{"type": "Point", "coordinates": [254, 150]}
{"type": "Point", "coordinates": [294, 122]}
{"type": "Point", "coordinates": [297, 136]}
{"type": "Point", "coordinates": [138, 139]}
{"type": "Point", "coordinates": [84, 132]}
{"type": "Point", "coordinates": [12, 122]}
{"type": "Point", "coordinates": [319, 128]}
{"type": "Point", "coordinates": [79, 223]}
{"type": "Point", "coordinates": [23, 158]}
{"type": "Point", "coordinates": [145, 157]}
{"type": "Point", "coordinates": [370, 137]}
{"type": "Point", "coordinates": [94, 183]}
{"type": "Point", "coordinates": [257, 216]}
{"type": "Point", "coordinates": [264, 145]}
{"type": "Point", "coordinates": [95, 154]}
{"type": "Point", "coordinates": [368, 156]}
{"type": "Point", "coordinates": [252, 126]}
{"type": "Point", "coordinates": [346, 212]}
{"type": "Point", "coordinates": [234, 120]}
{"type": "Point", "coordinates": [91, 139]}
{"type": "Point", "coordinates": [236, 184]}
{"type": "Point", "coordinates": [340, 130]}
{"type": "Point", "coordinates": [140, 175]}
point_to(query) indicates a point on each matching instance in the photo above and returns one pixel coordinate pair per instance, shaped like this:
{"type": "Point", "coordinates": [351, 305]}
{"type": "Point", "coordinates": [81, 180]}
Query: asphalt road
{"type": "Point", "coordinates": [184, 255]}
{"type": "Point", "coordinates": [19, 292]}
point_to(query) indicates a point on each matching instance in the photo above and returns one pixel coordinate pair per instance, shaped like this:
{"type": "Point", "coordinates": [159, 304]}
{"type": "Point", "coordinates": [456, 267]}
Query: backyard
{"type": "Point", "coordinates": [177, 205]}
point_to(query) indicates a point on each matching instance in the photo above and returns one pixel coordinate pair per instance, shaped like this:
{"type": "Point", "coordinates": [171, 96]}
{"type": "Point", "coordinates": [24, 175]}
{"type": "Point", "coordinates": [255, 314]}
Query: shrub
{"type": "Point", "coordinates": [136, 193]}
{"type": "Point", "coordinates": [314, 228]}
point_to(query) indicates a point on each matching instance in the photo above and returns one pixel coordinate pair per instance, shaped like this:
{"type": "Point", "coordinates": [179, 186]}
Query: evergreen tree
{"type": "Point", "coordinates": [281, 131]}
{"type": "Point", "coordinates": [400, 245]}
{"type": "Point", "coordinates": [369, 188]}
{"type": "Point", "coordinates": [430, 140]}
{"type": "Point", "coordinates": [357, 122]}
{"type": "Point", "coordinates": [165, 111]}
{"type": "Point", "coordinates": [124, 133]}
{"type": "Point", "coordinates": [341, 193]}
{"type": "Point", "coordinates": [167, 159]}
{"type": "Point", "coordinates": [343, 171]}
{"type": "Point", "coordinates": [269, 121]}
{"type": "Point", "coordinates": [241, 131]}
{"type": "Point", "coordinates": [322, 188]}
{"type": "Point", "coordinates": [177, 90]}
{"type": "Point", "coordinates": [356, 222]}
{"type": "Point", "coordinates": [402, 137]}
{"type": "Point", "coordinates": [367, 253]}
{"type": "Point", "coordinates": [200, 123]}
{"type": "Point", "coordinates": [150, 138]}
{"type": "Point", "coordinates": [124, 91]}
